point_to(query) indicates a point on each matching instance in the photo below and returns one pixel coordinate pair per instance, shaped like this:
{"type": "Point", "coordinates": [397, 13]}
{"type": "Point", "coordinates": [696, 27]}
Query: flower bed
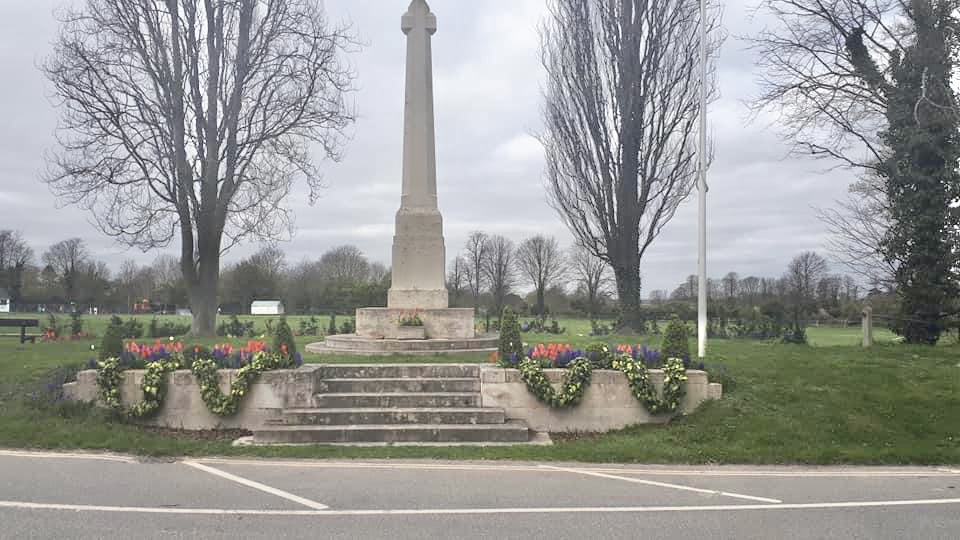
{"type": "Point", "coordinates": [634, 362]}
{"type": "Point", "coordinates": [609, 401]}
{"type": "Point", "coordinates": [161, 359]}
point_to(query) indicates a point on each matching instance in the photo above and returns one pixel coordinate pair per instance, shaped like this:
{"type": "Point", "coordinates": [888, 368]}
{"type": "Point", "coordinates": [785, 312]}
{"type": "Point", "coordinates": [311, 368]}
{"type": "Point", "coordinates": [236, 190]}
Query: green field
{"type": "Point", "coordinates": [829, 403]}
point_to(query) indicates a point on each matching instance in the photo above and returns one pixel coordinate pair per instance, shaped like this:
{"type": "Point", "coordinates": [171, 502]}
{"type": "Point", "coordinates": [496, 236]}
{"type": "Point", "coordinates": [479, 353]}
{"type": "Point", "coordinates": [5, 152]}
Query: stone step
{"type": "Point", "coordinates": [353, 344]}
{"type": "Point", "coordinates": [338, 417]}
{"type": "Point", "coordinates": [398, 371]}
{"type": "Point", "coordinates": [390, 386]}
{"type": "Point", "coordinates": [350, 400]}
{"type": "Point", "coordinates": [411, 433]}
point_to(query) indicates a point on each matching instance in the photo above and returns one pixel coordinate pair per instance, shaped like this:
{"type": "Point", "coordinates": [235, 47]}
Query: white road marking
{"type": "Point", "coordinates": [257, 485]}
{"type": "Point", "coordinates": [786, 473]}
{"type": "Point", "coordinates": [66, 455]}
{"type": "Point", "coordinates": [662, 484]}
{"type": "Point", "coordinates": [475, 511]}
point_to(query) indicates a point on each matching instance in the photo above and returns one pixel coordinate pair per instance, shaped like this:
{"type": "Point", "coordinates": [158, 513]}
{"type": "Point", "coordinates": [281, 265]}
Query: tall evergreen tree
{"type": "Point", "coordinates": [920, 171]}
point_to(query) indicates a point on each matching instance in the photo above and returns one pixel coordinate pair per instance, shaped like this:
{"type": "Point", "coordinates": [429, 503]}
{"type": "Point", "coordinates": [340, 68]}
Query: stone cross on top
{"type": "Point", "coordinates": [418, 15]}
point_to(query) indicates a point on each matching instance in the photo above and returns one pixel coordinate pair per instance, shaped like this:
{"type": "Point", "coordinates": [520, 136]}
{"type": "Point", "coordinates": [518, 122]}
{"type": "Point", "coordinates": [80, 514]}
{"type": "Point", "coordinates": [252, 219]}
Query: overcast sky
{"type": "Point", "coordinates": [490, 169]}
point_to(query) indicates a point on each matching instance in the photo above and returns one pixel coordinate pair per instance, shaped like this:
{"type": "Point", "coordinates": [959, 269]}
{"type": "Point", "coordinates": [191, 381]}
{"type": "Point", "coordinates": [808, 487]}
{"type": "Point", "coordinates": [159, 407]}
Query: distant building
{"type": "Point", "coordinates": [4, 301]}
{"type": "Point", "coordinates": [266, 307]}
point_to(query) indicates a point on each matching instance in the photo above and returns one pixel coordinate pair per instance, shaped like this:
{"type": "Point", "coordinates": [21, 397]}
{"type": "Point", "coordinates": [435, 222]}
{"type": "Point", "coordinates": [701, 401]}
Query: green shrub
{"type": "Point", "coordinates": [112, 344]}
{"type": "Point", "coordinates": [283, 342]}
{"type": "Point", "coordinates": [132, 329]}
{"type": "Point", "coordinates": [236, 328]}
{"type": "Point", "coordinates": [348, 327]}
{"type": "Point", "coordinates": [796, 335]}
{"type": "Point", "coordinates": [309, 327]}
{"type": "Point", "coordinates": [167, 329]}
{"type": "Point", "coordinates": [76, 323]}
{"type": "Point", "coordinates": [676, 342]}
{"type": "Point", "coordinates": [332, 327]}
{"type": "Point", "coordinates": [511, 343]}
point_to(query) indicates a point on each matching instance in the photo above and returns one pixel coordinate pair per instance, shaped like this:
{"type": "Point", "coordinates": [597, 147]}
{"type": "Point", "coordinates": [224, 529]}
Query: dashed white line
{"type": "Point", "coordinates": [476, 511]}
{"type": "Point", "coordinates": [663, 484]}
{"type": "Point", "coordinates": [257, 485]}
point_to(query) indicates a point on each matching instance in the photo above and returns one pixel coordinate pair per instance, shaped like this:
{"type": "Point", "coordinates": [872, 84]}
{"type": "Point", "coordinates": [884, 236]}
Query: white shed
{"type": "Point", "coordinates": [4, 301]}
{"type": "Point", "coordinates": [266, 307]}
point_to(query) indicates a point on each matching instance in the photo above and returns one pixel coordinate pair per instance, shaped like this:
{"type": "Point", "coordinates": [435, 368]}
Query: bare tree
{"type": "Point", "coordinates": [193, 118]}
{"type": "Point", "coordinates": [67, 259]}
{"type": "Point", "coordinates": [750, 287]}
{"type": "Point", "coordinates": [804, 273]}
{"type": "Point", "coordinates": [345, 264]}
{"type": "Point", "coordinates": [812, 73]}
{"type": "Point", "coordinates": [168, 279]}
{"type": "Point", "coordinates": [731, 285]}
{"type": "Point", "coordinates": [590, 273]}
{"type": "Point", "coordinates": [500, 269]}
{"type": "Point", "coordinates": [457, 279]}
{"type": "Point", "coordinates": [476, 255]}
{"type": "Point", "coordinates": [15, 255]}
{"type": "Point", "coordinates": [379, 273]}
{"type": "Point", "coordinates": [858, 226]}
{"type": "Point", "coordinates": [540, 263]}
{"type": "Point", "coordinates": [659, 296]}
{"type": "Point", "coordinates": [621, 107]}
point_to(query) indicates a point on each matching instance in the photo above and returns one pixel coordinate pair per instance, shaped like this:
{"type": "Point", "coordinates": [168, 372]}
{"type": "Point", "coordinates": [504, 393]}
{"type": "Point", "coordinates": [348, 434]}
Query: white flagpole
{"type": "Point", "coordinates": [702, 189]}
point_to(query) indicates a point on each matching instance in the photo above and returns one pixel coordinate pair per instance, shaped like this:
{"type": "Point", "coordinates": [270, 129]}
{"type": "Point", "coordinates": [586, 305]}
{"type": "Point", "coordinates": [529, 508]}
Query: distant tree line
{"type": "Point", "coordinates": [66, 277]}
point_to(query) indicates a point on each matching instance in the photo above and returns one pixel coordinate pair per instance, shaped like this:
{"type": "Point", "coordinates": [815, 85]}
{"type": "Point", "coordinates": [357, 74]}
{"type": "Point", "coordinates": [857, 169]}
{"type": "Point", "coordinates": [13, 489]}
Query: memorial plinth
{"type": "Point", "coordinates": [419, 256]}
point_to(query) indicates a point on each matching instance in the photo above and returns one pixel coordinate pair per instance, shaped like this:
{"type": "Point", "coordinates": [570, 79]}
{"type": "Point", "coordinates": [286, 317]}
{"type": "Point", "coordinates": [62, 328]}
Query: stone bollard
{"type": "Point", "coordinates": [867, 325]}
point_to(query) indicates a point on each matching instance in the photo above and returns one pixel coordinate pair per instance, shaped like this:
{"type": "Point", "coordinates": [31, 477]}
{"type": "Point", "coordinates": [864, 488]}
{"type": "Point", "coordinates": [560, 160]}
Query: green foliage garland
{"type": "Point", "coordinates": [575, 382]}
{"type": "Point", "coordinates": [110, 376]}
{"type": "Point", "coordinates": [154, 385]}
{"type": "Point", "coordinates": [674, 375]}
{"type": "Point", "coordinates": [205, 370]}
{"type": "Point", "coordinates": [579, 372]}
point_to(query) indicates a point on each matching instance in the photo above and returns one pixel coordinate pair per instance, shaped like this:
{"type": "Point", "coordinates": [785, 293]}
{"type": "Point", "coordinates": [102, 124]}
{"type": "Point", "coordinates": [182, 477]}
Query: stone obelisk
{"type": "Point", "coordinates": [419, 255]}
{"type": "Point", "coordinates": [419, 286]}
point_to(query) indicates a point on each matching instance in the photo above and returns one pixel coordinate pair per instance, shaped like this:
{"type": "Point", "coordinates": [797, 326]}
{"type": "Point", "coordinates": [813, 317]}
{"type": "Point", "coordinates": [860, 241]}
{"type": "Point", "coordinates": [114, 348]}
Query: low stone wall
{"type": "Point", "coordinates": [607, 404]}
{"type": "Point", "coordinates": [183, 406]}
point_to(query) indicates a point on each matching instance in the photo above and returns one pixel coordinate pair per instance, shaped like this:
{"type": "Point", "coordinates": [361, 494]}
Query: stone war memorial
{"type": "Point", "coordinates": [405, 403]}
{"type": "Point", "coordinates": [417, 319]}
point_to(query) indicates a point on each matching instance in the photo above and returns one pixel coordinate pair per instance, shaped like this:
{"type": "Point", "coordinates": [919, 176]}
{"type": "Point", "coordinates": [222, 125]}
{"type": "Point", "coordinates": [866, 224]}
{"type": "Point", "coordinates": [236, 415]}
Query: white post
{"type": "Point", "coordinates": [702, 191]}
{"type": "Point", "coordinates": [867, 324]}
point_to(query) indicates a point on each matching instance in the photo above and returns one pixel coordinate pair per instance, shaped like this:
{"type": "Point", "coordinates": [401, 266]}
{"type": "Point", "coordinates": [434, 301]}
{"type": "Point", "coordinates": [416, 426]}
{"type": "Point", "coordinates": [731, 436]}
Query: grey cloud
{"type": "Point", "coordinates": [487, 83]}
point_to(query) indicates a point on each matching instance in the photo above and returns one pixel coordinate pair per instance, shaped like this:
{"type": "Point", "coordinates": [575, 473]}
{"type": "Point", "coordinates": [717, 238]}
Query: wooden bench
{"type": "Point", "coordinates": [23, 324]}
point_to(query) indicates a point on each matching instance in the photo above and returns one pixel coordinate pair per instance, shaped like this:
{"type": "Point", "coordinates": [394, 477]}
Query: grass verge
{"type": "Point", "coordinates": [892, 404]}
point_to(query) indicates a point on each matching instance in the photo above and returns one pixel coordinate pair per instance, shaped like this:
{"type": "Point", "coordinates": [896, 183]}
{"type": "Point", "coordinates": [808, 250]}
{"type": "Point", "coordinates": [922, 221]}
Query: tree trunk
{"type": "Point", "coordinates": [628, 288]}
{"type": "Point", "coordinates": [203, 305]}
{"type": "Point", "coordinates": [541, 304]}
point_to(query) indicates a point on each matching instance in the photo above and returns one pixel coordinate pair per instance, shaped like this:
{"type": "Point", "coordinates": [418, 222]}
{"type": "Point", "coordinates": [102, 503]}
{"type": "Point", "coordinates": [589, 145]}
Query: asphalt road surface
{"type": "Point", "coordinates": [53, 495]}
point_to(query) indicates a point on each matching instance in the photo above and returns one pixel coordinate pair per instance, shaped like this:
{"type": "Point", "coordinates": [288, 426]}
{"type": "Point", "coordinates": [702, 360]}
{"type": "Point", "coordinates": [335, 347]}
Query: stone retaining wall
{"type": "Point", "coordinates": [607, 404]}
{"type": "Point", "coordinates": [183, 406]}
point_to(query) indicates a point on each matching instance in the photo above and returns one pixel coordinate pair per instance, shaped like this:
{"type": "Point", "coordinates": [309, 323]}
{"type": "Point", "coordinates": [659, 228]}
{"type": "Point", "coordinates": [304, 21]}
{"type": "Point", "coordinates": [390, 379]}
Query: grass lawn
{"type": "Point", "coordinates": [829, 403]}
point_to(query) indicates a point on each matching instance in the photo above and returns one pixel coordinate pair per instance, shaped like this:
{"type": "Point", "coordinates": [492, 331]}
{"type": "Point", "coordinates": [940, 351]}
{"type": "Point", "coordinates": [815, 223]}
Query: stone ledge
{"type": "Point", "coordinates": [608, 403]}
{"type": "Point", "coordinates": [449, 323]}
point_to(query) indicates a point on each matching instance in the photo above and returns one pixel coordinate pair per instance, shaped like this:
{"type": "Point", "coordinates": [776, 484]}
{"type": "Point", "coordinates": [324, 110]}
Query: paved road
{"type": "Point", "coordinates": [46, 495]}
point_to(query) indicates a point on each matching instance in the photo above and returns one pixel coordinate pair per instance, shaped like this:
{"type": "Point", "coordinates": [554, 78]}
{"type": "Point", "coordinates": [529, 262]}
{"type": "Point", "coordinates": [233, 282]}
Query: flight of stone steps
{"type": "Point", "coordinates": [395, 404]}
